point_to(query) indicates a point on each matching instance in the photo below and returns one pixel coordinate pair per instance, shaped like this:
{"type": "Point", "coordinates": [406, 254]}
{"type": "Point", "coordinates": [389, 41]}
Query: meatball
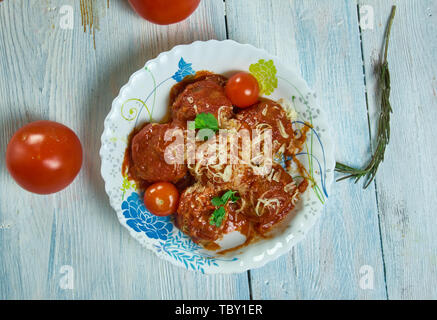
{"type": "Point", "coordinates": [149, 158]}
{"type": "Point", "coordinates": [265, 199]}
{"type": "Point", "coordinates": [202, 96]}
{"type": "Point", "coordinates": [195, 209]}
{"type": "Point", "coordinates": [268, 114]}
{"type": "Point", "coordinates": [178, 88]}
{"type": "Point", "coordinates": [272, 198]}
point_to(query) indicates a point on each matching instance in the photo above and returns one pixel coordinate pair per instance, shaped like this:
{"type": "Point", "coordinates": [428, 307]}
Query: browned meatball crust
{"type": "Point", "coordinates": [268, 114]}
{"type": "Point", "coordinates": [195, 209]}
{"type": "Point", "coordinates": [204, 96]}
{"type": "Point", "coordinates": [272, 197]}
{"type": "Point", "coordinates": [148, 154]}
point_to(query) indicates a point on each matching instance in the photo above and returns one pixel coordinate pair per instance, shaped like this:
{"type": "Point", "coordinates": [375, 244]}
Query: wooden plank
{"type": "Point", "coordinates": [51, 73]}
{"type": "Point", "coordinates": [406, 192]}
{"type": "Point", "coordinates": [321, 39]}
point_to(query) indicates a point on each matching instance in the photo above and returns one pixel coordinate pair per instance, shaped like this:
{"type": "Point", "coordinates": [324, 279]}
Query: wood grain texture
{"type": "Point", "coordinates": [50, 73]}
{"type": "Point", "coordinates": [406, 182]}
{"type": "Point", "coordinates": [321, 40]}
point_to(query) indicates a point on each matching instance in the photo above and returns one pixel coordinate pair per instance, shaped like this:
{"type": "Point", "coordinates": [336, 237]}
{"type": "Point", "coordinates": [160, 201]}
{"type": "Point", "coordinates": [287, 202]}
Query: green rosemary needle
{"type": "Point", "coordinates": [383, 133]}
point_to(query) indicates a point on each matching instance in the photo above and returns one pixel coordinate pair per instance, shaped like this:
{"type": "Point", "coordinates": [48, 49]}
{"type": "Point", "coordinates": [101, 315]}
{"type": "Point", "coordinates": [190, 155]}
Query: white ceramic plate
{"type": "Point", "coordinates": [145, 98]}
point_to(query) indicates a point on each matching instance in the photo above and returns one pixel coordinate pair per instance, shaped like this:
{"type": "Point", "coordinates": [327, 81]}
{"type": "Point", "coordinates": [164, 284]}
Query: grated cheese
{"type": "Point", "coordinates": [282, 130]}
{"type": "Point", "coordinates": [274, 202]}
{"type": "Point", "coordinates": [290, 187]}
{"type": "Point", "coordinates": [243, 204]}
{"type": "Point", "coordinates": [289, 110]}
{"type": "Point", "coordinates": [264, 112]}
{"type": "Point", "coordinates": [276, 176]}
{"type": "Point", "coordinates": [219, 115]}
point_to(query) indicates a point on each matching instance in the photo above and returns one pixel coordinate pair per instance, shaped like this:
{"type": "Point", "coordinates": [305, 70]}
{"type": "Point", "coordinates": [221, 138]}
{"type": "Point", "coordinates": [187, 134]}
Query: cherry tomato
{"type": "Point", "coordinates": [242, 89]}
{"type": "Point", "coordinates": [164, 11]}
{"type": "Point", "coordinates": [44, 157]}
{"type": "Point", "coordinates": [161, 198]}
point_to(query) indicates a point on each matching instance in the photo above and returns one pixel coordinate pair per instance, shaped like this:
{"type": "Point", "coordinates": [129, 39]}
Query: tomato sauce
{"type": "Point", "coordinates": [264, 200]}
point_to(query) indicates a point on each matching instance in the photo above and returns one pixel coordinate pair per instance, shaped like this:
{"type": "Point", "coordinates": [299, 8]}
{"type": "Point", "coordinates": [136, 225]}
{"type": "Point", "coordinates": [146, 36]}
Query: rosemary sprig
{"type": "Point", "coordinates": [383, 133]}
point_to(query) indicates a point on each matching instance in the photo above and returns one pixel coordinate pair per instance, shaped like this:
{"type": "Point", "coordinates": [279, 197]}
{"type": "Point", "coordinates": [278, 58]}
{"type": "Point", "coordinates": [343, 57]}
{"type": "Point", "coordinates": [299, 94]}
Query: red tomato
{"type": "Point", "coordinates": [161, 198]}
{"type": "Point", "coordinates": [164, 11]}
{"type": "Point", "coordinates": [44, 157]}
{"type": "Point", "coordinates": [242, 89]}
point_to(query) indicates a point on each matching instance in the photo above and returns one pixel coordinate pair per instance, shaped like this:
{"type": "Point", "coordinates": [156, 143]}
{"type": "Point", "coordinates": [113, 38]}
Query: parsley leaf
{"type": "Point", "coordinates": [219, 202]}
{"type": "Point", "coordinates": [217, 217]}
{"type": "Point", "coordinates": [229, 195]}
{"type": "Point", "coordinates": [206, 121]}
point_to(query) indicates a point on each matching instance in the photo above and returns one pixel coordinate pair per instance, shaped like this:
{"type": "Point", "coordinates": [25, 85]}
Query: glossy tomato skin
{"type": "Point", "coordinates": [161, 198]}
{"type": "Point", "coordinates": [242, 89]}
{"type": "Point", "coordinates": [44, 157]}
{"type": "Point", "coordinates": [164, 11]}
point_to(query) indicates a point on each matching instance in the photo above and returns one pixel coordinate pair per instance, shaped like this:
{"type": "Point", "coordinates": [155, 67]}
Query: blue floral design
{"type": "Point", "coordinates": [141, 220]}
{"type": "Point", "coordinates": [177, 245]}
{"type": "Point", "coordinates": [185, 69]}
{"type": "Point", "coordinates": [181, 248]}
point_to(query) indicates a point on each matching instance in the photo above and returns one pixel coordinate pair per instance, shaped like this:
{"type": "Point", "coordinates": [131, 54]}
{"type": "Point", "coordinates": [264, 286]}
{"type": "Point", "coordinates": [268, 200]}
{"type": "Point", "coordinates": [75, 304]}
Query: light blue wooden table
{"type": "Point", "coordinates": [380, 243]}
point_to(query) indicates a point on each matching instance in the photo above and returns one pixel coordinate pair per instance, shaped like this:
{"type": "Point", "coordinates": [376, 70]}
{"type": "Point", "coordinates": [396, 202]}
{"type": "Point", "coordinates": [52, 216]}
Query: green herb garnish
{"type": "Point", "coordinates": [206, 121]}
{"type": "Point", "coordinates": [219, 202]}
{"type": "Point", "coordinates": [383, 134]}
{"type": "Point", "coordinates": [228, 195]}
{"type": "Point", "coordinates": [217, 216]}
